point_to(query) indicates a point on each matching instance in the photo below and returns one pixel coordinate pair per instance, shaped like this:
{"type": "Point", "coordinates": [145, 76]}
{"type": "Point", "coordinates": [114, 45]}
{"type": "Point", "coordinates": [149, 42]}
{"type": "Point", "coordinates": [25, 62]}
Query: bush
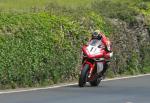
{"type": "Point", "coordinates": [35, 48]}
{"type": "Point", "coordinates": [143, 5]}
{"type": "Point", "coordinates": [40, 48]}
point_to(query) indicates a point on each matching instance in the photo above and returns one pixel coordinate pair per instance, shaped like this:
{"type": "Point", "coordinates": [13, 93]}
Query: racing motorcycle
{"type": "Point", "coordinates": [92, 64]}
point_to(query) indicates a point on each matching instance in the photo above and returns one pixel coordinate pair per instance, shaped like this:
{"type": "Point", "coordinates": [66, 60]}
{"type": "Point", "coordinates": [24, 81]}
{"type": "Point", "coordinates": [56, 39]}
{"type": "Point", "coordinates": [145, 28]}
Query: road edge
{"type": "Point", "coordinates": [66, 84]}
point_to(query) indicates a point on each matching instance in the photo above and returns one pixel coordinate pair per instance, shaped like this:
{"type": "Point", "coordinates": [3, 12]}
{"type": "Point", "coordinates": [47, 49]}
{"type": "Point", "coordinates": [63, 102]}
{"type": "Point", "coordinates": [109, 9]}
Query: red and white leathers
{"type": "Point", "coordinates": [107, 44]}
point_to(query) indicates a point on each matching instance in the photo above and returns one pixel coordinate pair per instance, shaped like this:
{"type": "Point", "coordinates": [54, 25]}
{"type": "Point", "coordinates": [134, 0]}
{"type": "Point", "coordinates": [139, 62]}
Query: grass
{"type": "Point", "coordinates": [18, 4]}
{"type": "Point", "coordinates": [27, 4]}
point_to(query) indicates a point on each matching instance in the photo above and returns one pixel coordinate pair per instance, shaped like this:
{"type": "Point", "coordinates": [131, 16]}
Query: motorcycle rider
{"type": "Point", "coordinates": [97, 34]}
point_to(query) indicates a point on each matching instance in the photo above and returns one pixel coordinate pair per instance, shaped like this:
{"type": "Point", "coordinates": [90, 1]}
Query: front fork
{"type": "Point", "coordinates": [91, 67]}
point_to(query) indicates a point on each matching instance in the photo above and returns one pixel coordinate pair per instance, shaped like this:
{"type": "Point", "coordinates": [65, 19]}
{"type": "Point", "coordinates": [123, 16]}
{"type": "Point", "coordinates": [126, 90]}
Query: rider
{"type": "Point", "coordinates": [97, 34]}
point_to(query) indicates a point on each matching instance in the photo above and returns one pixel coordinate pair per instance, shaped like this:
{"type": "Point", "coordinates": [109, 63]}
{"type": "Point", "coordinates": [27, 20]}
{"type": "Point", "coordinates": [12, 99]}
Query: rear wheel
{"type": "Point", "coordinates": [96, 82]}
{"type": "Point", "coordinates": [83, 76]}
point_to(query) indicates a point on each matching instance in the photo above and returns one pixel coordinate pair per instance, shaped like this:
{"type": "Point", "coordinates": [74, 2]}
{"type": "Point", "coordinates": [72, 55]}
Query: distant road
{"type": "Point", "coordinates": [133, 90]}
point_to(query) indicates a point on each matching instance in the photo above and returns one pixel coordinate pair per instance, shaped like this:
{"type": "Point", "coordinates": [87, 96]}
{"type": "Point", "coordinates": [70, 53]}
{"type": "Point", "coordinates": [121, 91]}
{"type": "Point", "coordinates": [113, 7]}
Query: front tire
{"type": "Point", "coordinates": [83, 76]}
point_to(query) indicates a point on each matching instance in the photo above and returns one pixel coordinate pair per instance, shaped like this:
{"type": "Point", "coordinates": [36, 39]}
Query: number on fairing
{"type": "Point", "coordinates": [93, 50]}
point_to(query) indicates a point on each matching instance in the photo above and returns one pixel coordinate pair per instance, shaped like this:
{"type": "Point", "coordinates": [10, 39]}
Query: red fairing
{"type": "Point", "coordinates": [107, 55]}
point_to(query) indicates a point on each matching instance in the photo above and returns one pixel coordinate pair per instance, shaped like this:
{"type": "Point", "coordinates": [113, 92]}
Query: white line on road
{"type": "Point", "coordinates": [127, 77]}
{"type": "Point", "coordinates": [63, 85]}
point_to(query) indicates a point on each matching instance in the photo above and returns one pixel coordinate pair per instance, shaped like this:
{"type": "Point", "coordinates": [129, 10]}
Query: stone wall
{"type": "Point", "coordinates": [131, 46]}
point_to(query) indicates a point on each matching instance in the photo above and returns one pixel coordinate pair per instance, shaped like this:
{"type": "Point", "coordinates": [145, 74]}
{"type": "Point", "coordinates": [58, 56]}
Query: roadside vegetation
{"type": "Point", "coordinates": [40, 40]}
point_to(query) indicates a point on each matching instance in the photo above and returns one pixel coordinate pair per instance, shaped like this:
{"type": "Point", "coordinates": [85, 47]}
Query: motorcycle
{"type": "Point", "coordinates": [92, 64]}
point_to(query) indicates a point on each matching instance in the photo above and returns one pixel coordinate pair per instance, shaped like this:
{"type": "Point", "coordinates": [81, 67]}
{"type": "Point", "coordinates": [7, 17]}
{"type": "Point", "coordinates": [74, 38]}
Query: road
{"type": "Point", "coordinates": [133, 90]}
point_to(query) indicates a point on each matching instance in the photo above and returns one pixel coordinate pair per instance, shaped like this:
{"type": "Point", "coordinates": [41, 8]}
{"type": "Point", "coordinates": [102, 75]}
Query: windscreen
{"type": "Point", "coordinates": [95, 42]}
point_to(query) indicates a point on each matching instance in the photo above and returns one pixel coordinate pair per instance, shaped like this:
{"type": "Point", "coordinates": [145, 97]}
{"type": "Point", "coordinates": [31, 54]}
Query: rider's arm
{"type": "Point", "coordinates": [107, 43]}
{"type": "Point", "coordinates": [108, 46]}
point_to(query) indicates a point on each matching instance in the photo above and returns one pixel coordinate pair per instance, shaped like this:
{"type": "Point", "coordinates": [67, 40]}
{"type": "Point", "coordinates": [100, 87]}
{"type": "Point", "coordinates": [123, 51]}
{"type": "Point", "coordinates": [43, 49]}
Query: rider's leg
{"type": "Point", "coordinates": [104, 69]}
{"type": "Point", "coordinates": [107, 56]}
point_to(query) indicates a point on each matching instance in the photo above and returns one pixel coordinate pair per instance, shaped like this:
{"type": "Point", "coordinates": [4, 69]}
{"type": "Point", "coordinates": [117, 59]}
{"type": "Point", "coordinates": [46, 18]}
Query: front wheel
{"type": "Point", "coordinates": [84, 75]}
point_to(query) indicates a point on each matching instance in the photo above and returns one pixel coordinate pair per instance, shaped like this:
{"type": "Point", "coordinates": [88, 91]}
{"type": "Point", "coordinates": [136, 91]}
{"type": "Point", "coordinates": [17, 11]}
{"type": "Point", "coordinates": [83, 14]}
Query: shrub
{"type": "Point", "coordinates": [40, 48]}
{"type": "Point", "coordinates": [143, 5]}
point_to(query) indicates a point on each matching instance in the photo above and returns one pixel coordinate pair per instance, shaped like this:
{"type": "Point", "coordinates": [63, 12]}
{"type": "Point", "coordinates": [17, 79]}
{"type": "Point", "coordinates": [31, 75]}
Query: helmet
{"type": "Point", "coordinates": [96, 34]}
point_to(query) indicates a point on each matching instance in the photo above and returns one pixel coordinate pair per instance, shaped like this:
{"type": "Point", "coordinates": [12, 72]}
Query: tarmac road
{"type": "Point", "coordinates": [133, 90]}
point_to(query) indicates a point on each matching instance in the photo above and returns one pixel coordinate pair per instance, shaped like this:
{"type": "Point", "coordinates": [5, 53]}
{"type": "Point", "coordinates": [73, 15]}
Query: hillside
{"type": "Point", "coordinates": [40, 41]}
